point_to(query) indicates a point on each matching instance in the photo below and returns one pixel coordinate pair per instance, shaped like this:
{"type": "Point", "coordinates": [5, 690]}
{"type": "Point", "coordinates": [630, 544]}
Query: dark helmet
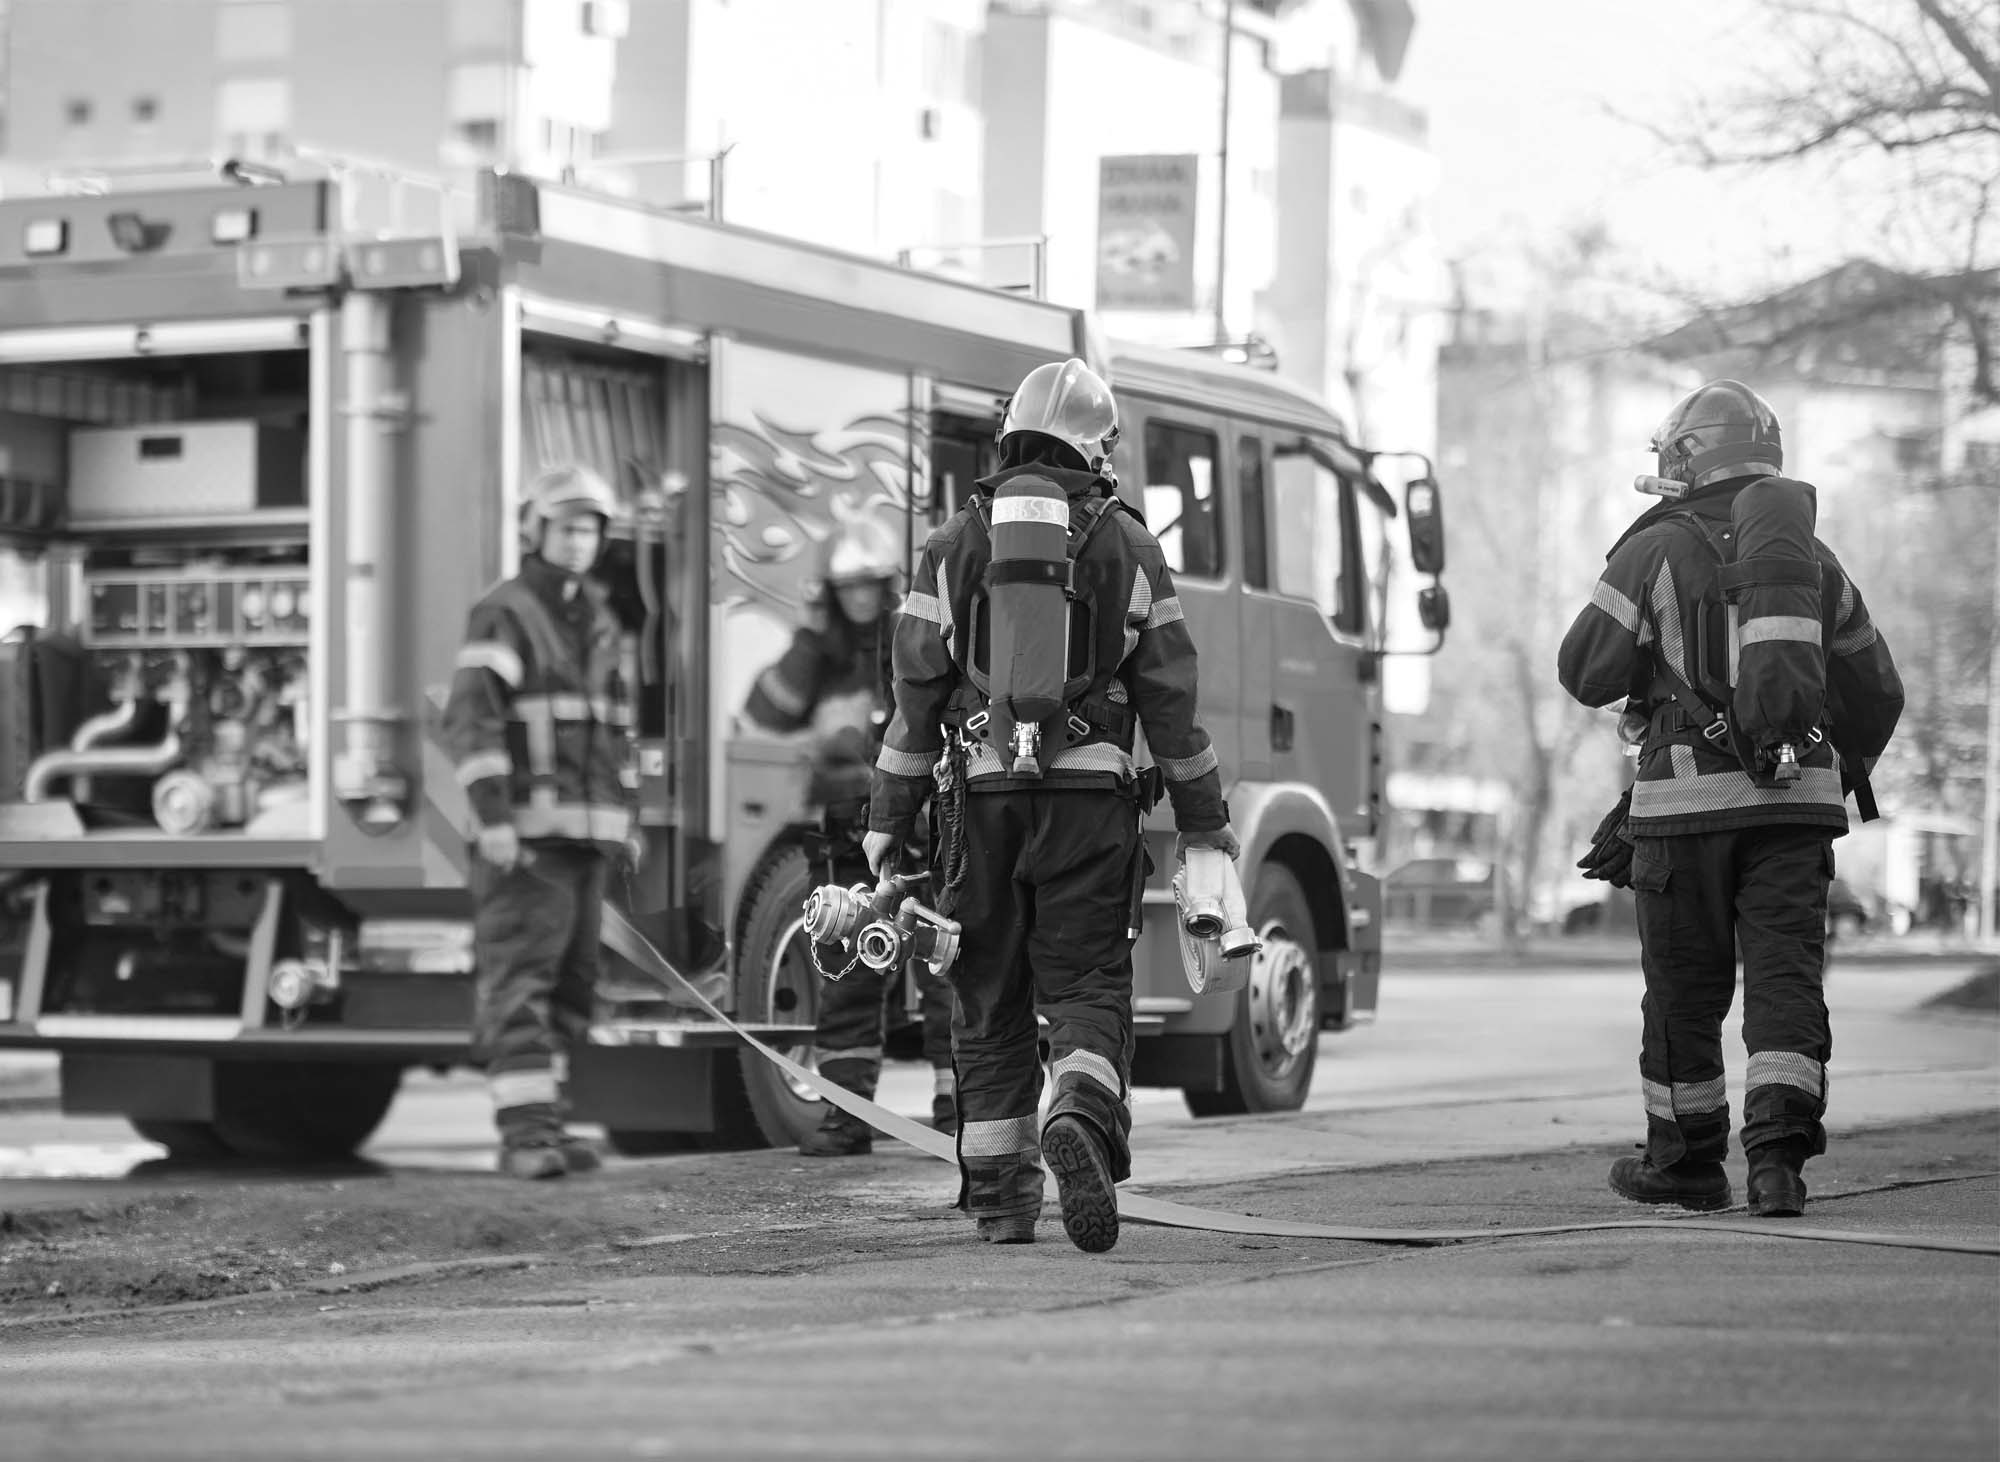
{"type": "Point", "coordinates": [1716, 432]}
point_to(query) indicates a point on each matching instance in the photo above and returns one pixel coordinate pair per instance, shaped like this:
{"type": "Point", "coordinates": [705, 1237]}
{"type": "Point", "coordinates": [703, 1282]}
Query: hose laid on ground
{"type": "Point", "coordinates": [620, 936]}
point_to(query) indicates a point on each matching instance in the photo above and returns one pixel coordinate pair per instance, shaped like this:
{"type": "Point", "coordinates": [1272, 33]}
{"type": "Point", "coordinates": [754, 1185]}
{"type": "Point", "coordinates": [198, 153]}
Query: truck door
{"type": "Point", "coordinates": [1182, 492]}
{"type": "Point", "coordinates": [1323, 670]}
{"type": "Point", "coordinates": [1257, 717]}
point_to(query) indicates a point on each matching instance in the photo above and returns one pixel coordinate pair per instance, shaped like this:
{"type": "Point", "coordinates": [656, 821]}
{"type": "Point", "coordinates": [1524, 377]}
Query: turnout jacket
{"type": "Point", "coordinates": [1642, 617]}
{"type": "Point", "coordinates": [834, 680]}
{"type": "Point", "coordinates": [539, 722]}
{"type": "Point", "coordinates": [1151, 674]}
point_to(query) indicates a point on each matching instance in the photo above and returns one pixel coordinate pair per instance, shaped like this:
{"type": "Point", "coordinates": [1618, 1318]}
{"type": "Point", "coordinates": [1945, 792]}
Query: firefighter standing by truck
{"type": "Point", "coordinates": [833, 682]}
{"type": "Point", "coordinates": [540, 726]}
{"type": "Point", "coordinates": [1715, 607]}
{"type": "Point", "coordinates": [1040, 854]}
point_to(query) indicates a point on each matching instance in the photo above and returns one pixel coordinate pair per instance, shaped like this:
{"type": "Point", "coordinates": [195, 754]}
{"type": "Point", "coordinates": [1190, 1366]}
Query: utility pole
{"type": "Point", "coordinates": [1222, 181]}
{"type": "Point", "coordinates": [1989, 854]}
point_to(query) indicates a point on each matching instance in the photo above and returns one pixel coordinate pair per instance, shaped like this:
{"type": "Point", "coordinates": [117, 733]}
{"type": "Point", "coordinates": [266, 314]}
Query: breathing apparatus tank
{"type": "Point", "coordinates": [1028, 591]}
{"type": "Point", "coordinates": [1777, 654]}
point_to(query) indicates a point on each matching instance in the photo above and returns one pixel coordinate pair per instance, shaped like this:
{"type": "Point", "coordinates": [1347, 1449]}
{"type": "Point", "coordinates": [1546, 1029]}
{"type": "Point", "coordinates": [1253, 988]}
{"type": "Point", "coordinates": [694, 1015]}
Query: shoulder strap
{"type": "Point", "coordinates": [544, 640]}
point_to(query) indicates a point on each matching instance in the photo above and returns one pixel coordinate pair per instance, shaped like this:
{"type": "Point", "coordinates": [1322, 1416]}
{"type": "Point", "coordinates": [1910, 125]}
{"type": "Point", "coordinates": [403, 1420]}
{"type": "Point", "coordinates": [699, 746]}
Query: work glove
{"type": "Point", "coordinates": [500, 846]}
{"type": "Point", "coordinates": [1610, 855]}
{"type": "Point", "coordinates": [880, 851]}
{"type": "Point", "coordinates": [1223, 839]}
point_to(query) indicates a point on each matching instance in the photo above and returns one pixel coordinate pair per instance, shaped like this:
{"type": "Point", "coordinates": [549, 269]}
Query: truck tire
{"type": "Point", "coordinates": [185, 1142]}
{"type": "Point", "coordinates": [1272, 1047]}
{"type": "Point", "coordinates": [775, 981]}
{"type": "Point", "coordinates": [304, 1110]}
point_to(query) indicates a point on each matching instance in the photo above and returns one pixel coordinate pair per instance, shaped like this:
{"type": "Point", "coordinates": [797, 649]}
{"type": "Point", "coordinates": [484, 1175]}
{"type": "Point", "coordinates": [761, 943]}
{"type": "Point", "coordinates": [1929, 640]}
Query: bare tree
{"type": "Point", "coordinates": [1907, 89]}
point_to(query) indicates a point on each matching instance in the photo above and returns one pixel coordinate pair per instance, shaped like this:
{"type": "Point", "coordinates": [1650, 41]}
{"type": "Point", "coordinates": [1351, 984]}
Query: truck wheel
{"type": "Point", "coordinates": [190, 1142]}
{"type": "Point", "coordinates": [282, 1111]}
{"type": "Point", "coordinates": [1273, 1044]}
{"type": "Point", "coordinates": [776, 981]}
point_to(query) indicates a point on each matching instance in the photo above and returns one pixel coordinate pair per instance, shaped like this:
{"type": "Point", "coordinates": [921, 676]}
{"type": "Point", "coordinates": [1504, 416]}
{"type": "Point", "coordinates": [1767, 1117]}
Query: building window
{"type": "Point", "coordinates": [480, 133]}
{"type": "Point", "coordinates": [951, 64]}
{"type": "Point", "coordinates": [254, 114]}
{"type": "Point", "coordinates": [253, 30]}
{"type": "Point", "coordinates": [76, 111]}
{"type": "Point", "coordinates": [1183, 506]}
{"type": "Point", "coordinates": [145, 110]}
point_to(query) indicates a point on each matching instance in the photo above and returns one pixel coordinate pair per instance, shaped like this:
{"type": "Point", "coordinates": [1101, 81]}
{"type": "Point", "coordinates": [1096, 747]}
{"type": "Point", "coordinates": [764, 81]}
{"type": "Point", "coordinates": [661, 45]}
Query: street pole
{"type": "Point", "coordinates": [1222, 194]}
{"type": "Point", "coordinates": [1989, 853]}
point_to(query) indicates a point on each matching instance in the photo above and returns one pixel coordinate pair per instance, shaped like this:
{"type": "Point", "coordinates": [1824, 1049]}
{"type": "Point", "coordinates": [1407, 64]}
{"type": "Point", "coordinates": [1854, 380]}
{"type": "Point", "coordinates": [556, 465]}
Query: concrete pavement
{"type": "Point", "coordinates": [892, 1333]}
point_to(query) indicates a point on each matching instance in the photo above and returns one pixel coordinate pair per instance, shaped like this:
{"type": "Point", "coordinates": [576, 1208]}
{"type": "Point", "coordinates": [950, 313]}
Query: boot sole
{"type": "Point", "coordinates": [1083, 1182]}
{"type": "Point", "coordinates": [1778, 1205]}
{"type": "Point", "coordinates": [1692, 1202]}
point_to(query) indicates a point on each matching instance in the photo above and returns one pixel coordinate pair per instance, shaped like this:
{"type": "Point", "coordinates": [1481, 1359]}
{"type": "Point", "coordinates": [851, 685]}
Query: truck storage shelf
{"type": "Point", "coordinates": [421, 1048]}
{"type": "Point", "coordinates": [140, 849]}
{"type": "Point", "coordinates": [264, 525]}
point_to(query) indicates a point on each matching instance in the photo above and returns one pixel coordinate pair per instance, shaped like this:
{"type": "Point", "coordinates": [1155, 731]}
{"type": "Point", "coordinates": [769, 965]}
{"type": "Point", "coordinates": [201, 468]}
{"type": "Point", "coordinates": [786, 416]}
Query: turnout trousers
{"type": "Point", "coordinates": [535, 932]}
{"type": "Point", "coordinates": [1702, 899]}
{"type": "Point", "coordinates": [1047, 910]}
{"type": "Point", "coordinates": [853, 1021]}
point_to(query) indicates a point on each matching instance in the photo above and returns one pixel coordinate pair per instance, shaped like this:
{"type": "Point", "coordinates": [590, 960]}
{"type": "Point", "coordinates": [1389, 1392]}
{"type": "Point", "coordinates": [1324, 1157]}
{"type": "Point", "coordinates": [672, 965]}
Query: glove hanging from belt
{"type": "Point", "coordinates": [1610, 855]}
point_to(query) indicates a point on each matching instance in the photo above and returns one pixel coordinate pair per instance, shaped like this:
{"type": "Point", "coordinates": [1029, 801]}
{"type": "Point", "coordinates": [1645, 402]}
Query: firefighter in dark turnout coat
{"type": "Point", "coordinates": [833, 680]}
{"type": "Point", "coordinates": [1718, 863]}
{"type": "Point", "coordinates": [540, 726]}
{"type": "Point", "coordinates": [1053, 862]}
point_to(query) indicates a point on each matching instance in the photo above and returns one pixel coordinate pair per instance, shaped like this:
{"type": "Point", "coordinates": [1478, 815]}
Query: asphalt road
{"type": "Point", "coordinates": [760, 1305]}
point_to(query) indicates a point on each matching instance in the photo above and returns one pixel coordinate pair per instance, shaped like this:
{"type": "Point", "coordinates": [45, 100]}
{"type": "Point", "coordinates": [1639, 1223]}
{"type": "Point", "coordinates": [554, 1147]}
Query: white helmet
{"type": "Point", "coordinates": [863, 549]}
{"type": "Point", "coordinates": [1069, 402]}
{"type": "Point", "coordinates": [565, 492]}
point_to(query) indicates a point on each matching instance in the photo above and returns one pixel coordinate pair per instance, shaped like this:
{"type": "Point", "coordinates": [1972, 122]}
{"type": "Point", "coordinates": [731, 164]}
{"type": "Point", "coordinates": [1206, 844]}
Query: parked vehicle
{"type": "Point", "coordinates": [263, 467]}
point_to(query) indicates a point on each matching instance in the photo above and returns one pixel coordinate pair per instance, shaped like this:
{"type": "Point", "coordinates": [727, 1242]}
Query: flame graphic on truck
{"type": "Point", "coordinates": [778, 494]}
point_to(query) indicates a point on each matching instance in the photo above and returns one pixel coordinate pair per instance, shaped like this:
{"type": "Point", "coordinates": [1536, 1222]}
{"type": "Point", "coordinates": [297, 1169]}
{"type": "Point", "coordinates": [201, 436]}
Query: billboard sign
{"type": "Point", "coordinates": [1145, 231]}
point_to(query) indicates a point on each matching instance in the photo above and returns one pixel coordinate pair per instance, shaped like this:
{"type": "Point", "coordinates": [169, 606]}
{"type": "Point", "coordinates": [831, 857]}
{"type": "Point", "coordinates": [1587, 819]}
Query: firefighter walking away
{"type": "Point", "coordinates": [1041, 630]}
{"type": "Point", "coordinates": [540, 726]}
{"type": "Point", "coordinates": [1759, 693]}
{"type": "Point", "coordinates": [833, 683]}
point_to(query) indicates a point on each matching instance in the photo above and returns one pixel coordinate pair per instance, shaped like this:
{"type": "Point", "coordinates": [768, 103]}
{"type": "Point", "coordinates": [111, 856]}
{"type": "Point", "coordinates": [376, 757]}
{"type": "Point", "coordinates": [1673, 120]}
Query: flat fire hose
{"type": "Point", "coordinates": [621, 936]}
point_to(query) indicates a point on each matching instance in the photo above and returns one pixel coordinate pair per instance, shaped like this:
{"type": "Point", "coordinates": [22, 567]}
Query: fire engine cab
{"type": "Point", "coordinates": [260, 451]}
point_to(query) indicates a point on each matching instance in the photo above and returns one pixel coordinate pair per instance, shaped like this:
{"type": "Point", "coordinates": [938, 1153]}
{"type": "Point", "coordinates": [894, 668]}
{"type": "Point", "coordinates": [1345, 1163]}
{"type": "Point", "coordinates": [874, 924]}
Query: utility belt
{"type": "Point", "coordinates": [1093, 717]}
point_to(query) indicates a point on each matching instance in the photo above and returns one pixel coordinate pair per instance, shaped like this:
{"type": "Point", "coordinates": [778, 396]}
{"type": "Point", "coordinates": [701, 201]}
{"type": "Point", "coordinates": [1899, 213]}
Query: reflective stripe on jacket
{"type": "Point", "coordinates": [1155, 673]}
{"type": "Point", "coordinates": [539, 722]}
{"type": "Point", "coordinates": [1642, 615]}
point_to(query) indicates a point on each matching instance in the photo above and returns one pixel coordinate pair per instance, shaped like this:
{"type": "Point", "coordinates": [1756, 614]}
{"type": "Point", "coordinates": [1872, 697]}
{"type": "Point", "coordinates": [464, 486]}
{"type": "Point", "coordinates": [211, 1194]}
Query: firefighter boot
{"type": "Point", "coordinates": [1083, 1182]}
{"type": "Point", "coordinates": [1701, 1186]}
{"type": "Point", "coordinates": [579, 1155]}
{"type": "Point", "coordinates": [838, 1135]}
{"type": "Point", "coordinates": [1777, 1188]}
{"type": "Point", "coordinates": [1014, 1229]}
{"type": "Point", "coordinates": [540, 1160]}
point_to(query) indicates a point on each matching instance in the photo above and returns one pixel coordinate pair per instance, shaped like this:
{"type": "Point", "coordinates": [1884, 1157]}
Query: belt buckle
{"type": "Point", "coordinates": [1716, 731]}
{"type": "Point", "coordinates": [1078, 728]}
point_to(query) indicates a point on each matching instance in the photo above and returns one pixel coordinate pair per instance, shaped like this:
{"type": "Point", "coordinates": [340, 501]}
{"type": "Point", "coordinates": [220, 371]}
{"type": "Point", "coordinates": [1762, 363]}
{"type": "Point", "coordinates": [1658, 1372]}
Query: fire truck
{"type": "Point", "coordinates": [261, 450]}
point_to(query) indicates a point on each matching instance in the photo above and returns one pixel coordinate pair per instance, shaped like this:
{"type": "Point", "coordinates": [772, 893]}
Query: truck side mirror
{"type": "Point", "coordinates": [1425, 507]}
{"type": "Point", "coordinates": [1434, 608]}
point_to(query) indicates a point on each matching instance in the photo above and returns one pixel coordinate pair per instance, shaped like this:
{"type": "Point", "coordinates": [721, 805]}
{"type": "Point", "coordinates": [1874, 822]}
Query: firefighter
{"type": "Point", "coordinates": [833, 682]}
{"type": "Point", "coordinates": [540, 725]}
{"type": "Point", "coordinates": [1050, 856]}
{"type": "Point", "coordinates": [1721, 865]}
